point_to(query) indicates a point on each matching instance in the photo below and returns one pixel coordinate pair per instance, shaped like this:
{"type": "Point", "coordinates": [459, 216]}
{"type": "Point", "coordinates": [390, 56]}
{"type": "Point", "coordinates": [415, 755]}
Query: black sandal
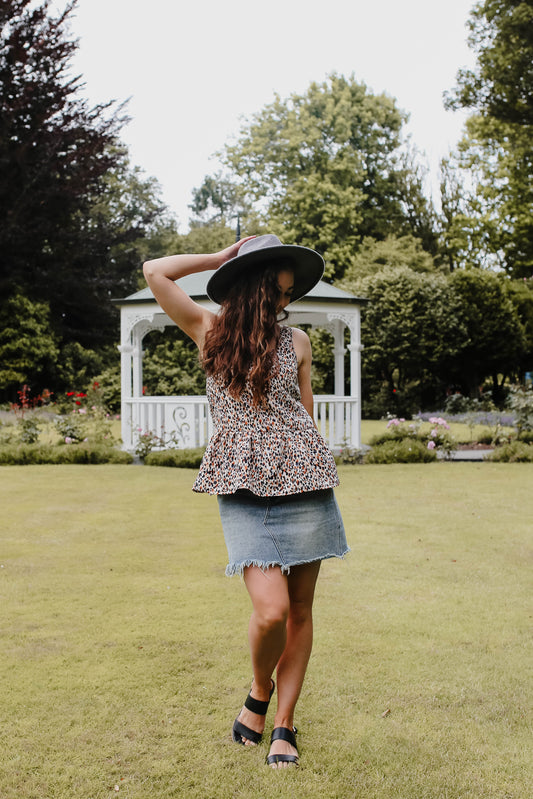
{"type": "Point", "coordinates": [256, 706]}
{"type": "Point", "coordinates": [283, 734]}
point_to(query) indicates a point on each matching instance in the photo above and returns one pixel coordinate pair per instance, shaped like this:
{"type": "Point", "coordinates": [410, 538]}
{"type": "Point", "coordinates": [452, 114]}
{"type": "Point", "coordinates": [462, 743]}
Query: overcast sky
{"type": "Point", "coordinates": [195, 69]}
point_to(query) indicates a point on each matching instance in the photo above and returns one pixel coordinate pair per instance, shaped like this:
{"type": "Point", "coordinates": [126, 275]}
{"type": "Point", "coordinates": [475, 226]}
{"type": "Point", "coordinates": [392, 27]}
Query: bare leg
{"type": "Point", "coordinates": [267, 633]}
{"type": "Point", "coordinates": [293, 662]}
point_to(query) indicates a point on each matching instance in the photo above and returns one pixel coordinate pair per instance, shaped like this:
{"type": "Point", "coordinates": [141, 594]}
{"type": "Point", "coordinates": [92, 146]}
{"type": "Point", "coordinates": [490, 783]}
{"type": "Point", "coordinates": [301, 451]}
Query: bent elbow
{"type": "Point", "coordinates": [148, 269]}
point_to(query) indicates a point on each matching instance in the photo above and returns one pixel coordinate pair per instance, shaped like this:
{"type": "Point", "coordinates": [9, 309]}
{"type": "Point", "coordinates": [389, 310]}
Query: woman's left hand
{"type": "Point", "coordinates": [233, 250]}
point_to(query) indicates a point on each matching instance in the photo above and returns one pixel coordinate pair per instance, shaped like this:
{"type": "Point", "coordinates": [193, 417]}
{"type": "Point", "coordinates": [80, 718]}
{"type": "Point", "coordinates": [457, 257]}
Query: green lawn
{"type": "Point", "coordinates": [124, 652]}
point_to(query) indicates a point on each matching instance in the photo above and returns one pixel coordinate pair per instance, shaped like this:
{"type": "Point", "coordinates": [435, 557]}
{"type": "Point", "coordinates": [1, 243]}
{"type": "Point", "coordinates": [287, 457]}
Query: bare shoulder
{"type": "Point", "coordinates": [302, 344]}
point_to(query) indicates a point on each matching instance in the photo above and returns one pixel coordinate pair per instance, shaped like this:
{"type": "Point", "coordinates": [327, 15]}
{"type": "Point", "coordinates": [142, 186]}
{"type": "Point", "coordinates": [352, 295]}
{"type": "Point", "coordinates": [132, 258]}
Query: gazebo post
{"type": "Point", "coordinates": [338, 356]}
{"type": "Point", "coordinates": [138, 335]}
{"type": "Point", "coordinates": [355, 347]}
{"type": "Point", "coordinates": [126, 356]}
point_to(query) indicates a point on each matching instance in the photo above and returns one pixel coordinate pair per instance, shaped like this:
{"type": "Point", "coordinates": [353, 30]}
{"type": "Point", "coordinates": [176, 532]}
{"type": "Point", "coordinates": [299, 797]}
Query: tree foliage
{"type": "Point", "coordinates": [427, 333]}
{"type": "Point", "coordinates": [75, 213]}
{"type": "Point", "coordinates": [54, 149]}
{"type": "Point", "coordinates": [374, 256]}
{"type": "Point", "coordinates": [501, 87]}
{"type": "Point", "coordinates": [171, 364]}
{"type": "Point", "coordinates": [492, 224]}
{"type": "Point", "coordinates": [411, 334]}
{"type": "Point", "coordinates": [219, 201]}
{"type": "Point", "coordinates": [29, 351]}
{"type": "Point", "coordinates": [326, 169]}
{"type": "Point", "coordinates": [495, 340]}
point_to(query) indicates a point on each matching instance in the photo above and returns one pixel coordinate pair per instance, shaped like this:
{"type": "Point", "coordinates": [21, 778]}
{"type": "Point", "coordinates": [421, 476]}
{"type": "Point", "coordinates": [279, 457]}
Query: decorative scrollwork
{"type": "Point", "coordinates": [181, 429]}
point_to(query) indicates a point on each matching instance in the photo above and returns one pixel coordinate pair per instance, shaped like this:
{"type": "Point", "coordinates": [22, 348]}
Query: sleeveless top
{"type": "Point", "coordinates": [271, 451]}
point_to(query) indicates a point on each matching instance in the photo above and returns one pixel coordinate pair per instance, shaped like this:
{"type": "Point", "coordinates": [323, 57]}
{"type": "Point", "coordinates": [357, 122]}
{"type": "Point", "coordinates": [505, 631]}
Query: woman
{"type": "Point", "coordinates": [266, 462]}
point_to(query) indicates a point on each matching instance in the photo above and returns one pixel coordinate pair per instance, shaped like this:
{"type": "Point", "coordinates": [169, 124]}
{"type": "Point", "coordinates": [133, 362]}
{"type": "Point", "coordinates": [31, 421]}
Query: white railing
{"type": "Point", "coordinates": [185, 422]}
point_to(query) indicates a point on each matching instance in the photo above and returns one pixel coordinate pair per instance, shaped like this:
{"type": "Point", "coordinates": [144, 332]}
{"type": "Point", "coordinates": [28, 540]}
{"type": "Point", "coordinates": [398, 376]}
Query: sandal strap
{"type": "Point", "coordinates": [283, 734]}
{"type": "Point", "coordinates": [271, 759]}
{"type": "Point", "coordinates": [256, 705]}
{"type": "Point", "coordinates": [240, 729]}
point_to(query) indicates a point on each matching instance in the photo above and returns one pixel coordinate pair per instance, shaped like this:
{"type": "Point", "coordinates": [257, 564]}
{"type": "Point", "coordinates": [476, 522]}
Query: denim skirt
{"type": "Point", "coordinates": [281, 531]}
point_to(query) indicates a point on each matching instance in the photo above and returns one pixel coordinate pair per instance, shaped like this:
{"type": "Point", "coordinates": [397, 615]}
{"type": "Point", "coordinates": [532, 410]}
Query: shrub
{"type": "Point", "coordinates": [349, 455]}
{"type": "Point", "coordinates": [8, 433]}
{"type": "Point", "coordinates": [30, 428]}
{"type": "Point", "coordinates": [437, 438]}
{"type": "Point", "coordinates": [520, 401]}
{"type": "Point", "coordinates": [515, 452]}
{"type": "Point", "coordinates": [180, 458]}
{"type": "Point", "coordinates": [404, 450]}
{"type": "Point", "coordinates": [27, 454]}
{"type": "Point", "coordinates": [108, 383]}
{"type": "Point", "coordinates": [457, 403]}
{"type": "Point", "coordinates": [71, 428]}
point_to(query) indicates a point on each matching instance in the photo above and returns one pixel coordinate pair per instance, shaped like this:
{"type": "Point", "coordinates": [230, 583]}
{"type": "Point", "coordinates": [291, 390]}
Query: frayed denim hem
{"type": "Point", "coordinates": [233, 569]}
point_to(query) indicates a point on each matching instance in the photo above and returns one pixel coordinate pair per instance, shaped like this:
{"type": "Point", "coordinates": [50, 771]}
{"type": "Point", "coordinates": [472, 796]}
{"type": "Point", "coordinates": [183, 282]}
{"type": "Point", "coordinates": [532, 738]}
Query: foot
{"type": "Point", "coordinates": [283, 750]}
{"type": "Point", "coordinates": [248, 720]}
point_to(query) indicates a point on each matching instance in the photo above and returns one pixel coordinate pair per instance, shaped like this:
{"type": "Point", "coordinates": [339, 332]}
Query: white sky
{"type": "Point", "coordinates": [194, 69]}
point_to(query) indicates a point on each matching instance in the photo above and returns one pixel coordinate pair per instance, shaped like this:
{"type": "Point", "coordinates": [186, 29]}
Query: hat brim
{"type": "Point", "coordinates": [307, 265]}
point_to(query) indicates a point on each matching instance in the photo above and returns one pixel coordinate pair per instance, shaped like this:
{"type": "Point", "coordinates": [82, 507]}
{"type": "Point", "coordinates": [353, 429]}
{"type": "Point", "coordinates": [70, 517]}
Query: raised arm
{"type": "Point", "coordinates": [160, 275]}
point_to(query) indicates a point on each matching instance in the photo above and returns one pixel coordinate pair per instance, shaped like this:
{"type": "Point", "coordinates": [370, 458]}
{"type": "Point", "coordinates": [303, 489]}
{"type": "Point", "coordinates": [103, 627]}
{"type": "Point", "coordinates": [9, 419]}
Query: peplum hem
{"type": "Point", "coordinates": [267, 463]}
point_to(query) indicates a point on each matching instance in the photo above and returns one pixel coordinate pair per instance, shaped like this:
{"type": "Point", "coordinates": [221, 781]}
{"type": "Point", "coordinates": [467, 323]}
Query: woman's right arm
{"type": "Point", "coordinates": [160, 275]}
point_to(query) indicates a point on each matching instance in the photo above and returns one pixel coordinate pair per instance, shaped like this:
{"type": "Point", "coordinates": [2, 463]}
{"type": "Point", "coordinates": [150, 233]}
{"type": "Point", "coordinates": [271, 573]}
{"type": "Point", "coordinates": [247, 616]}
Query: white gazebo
{"type": "Point", "coordinates": [185, 421]}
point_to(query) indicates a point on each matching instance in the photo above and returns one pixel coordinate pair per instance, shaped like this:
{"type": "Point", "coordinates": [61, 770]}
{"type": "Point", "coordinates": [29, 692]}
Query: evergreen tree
{"type": "Point", "coordinates": [75, 214]}
{"type": "Point", "coordinates": [54, 149]}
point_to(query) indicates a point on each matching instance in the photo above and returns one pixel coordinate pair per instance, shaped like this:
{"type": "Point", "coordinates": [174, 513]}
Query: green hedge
{"type": "Point", "coordinates": [180, 458]}
{"type": "Point", "coordinates": [515, 452]}
{"type": "Point", "coordinates": [404, 450]}
{"type": "Point", "coordinates": [26, 454]}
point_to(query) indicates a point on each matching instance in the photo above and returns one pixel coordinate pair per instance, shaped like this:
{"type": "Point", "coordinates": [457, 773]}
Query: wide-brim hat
{"type": "Point", "coordinates": [260, 252]}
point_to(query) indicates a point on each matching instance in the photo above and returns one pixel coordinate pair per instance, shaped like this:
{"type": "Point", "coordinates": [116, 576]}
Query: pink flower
{"type": "Point", "coordinates": [431, 445]}
{"type": "Point", "coordinates": [69, 440]}
{"type": "Point", "coordinates": [438, 420]}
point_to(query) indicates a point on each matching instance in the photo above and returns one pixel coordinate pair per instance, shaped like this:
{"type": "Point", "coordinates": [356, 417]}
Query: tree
{"type": "Point", "coordinates": [29, 351]}
{"type": "Point", "coordinates": [218, 200]}
{"type": "Point", "coordinates": [54, 149]}
{"type": "Point", "coordinates": [412, 334]}
{"type": "Point", "coordinates": [76, 215]}
{"type": "Point", "coordinates": [425, 333]}
{"type": "Point", "coordinates": [501, 87]}
{"type": "Point", "coordinates": [520, 292]}
{"type": "Point", "coordinates": [325, 169]}
{"type": "Point", "coordinates": [171, 364]}
{"type": "Point", "coordinates": [496, 155]}
{"type": "Point", "coordinates": [376, 256]}
{"type": "Point", "coordinates": [488, 221]}
{"type": "Point", "coordinates": [99, 259]}
{"type": "Point", "coordinates": [495, 341]}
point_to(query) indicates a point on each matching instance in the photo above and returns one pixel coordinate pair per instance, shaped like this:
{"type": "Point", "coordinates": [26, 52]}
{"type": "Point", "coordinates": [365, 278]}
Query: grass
{"type": "Point", "coordinates": [124, 654]}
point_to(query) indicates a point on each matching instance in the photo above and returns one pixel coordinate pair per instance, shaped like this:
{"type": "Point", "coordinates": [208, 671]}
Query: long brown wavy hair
{"type": "Point", "coordinates": [241, 344]}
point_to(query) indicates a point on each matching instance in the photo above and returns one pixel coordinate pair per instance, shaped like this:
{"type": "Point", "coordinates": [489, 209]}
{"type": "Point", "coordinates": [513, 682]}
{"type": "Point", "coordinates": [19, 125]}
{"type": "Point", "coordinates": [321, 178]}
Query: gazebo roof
{"type": "Point", "coordinates": [195, 286]}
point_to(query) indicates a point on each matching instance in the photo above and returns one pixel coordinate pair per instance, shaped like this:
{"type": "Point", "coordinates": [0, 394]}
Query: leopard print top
{"type": "Point", "coordinates": [271, 451]}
